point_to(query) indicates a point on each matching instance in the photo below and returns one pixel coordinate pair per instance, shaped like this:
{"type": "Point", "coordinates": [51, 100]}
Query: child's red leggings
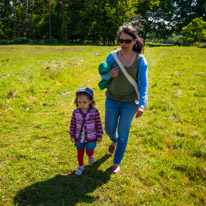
{"type": "Point", "coordinates": [80, 155]}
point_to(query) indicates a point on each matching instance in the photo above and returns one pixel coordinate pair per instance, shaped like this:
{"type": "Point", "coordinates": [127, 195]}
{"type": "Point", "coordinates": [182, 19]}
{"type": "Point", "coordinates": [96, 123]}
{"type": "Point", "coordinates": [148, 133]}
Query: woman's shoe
{"type": "Point", "coordinates": [116, 169]}
{"type": "Point", "coordinates": [112, 148]}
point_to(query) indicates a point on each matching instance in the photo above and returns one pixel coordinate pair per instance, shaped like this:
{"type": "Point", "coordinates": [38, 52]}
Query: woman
{"type": "Point", "coordinates": [121, 98]}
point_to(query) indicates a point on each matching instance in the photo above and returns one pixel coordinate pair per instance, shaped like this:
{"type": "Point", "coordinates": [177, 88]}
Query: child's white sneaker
{"type": "Point", "coordinates": [91, 160]}
{"type": "Point", "coordinates": [79, 170]}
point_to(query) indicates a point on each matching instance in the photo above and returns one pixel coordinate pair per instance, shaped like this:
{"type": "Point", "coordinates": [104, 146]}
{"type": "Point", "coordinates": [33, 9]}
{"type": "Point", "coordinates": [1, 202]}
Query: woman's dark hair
{"type": "Point", "coordinates": [132, 31]}
{"type": "Point", "coordinates": [84, 94]}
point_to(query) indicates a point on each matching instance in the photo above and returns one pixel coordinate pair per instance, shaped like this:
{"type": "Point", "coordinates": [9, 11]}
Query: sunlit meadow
{"type": "Point", "coordinates": [165, 161]}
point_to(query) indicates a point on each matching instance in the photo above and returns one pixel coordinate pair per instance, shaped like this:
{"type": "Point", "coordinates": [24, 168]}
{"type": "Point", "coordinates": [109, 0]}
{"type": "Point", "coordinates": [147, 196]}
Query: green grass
{"type": "Point", "coordinates": [165, 161]}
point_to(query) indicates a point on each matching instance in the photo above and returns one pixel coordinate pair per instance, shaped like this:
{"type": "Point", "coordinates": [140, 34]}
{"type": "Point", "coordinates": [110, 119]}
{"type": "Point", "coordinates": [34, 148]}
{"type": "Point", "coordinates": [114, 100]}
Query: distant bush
{"type": "Point", "coordinates": [174, 39]}
{"type": "Point", "coordinates": [1, 30]}
{"type": "Point", "coordinates": [28, 41]}
{"type": "Point", "coordinates": [21, 41]}
{"type": "Point", "coordinates": [3, 41]}
{"type": "Point", "coordinates": [15, 41]}
{"type": "Point", "coordinates": [46, 42]}
{"type": "Point", "coordinates": [200, 44]}
{"type": "Point", "coordinates": [195, 31]}
{"type": "Point", "coordinates": [152, 44]}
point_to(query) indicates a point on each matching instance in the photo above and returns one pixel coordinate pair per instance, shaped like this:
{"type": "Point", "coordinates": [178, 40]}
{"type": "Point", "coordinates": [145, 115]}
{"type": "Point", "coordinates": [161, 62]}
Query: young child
{"type": "Point", "coordinates": [85, 127]}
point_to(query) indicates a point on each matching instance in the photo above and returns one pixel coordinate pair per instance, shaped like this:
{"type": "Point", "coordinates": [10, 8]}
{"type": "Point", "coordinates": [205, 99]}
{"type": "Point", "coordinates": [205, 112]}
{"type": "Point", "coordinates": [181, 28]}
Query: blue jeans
{"type": "Point", "coordinates": [118, 115]}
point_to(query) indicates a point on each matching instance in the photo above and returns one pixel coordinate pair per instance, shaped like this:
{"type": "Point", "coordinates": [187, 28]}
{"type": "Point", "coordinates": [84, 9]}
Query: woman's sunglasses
{"type": "Point", "coordinates": [126, 41]}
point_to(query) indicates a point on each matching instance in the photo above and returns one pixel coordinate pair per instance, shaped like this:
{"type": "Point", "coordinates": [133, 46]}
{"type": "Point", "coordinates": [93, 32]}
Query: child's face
{"type": "Point", "coordinates": [83, 102]}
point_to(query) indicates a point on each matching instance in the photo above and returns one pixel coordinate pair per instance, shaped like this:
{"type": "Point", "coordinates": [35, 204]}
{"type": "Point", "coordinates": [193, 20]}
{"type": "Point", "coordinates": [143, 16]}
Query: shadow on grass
{"type": "Point", "coordinates": [66, 190]}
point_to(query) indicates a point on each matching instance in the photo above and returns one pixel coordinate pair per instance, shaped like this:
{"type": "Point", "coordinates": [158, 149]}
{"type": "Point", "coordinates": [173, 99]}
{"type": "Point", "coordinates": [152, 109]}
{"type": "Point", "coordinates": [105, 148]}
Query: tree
{"type": "Point", "coordinates": [161, 18]}
{"type": "Point", "coordinates": [49, 14]}
{"type": "Point", "coordinates": [1, 30]}
{"type": "Point", "coordinates": [186, 11]}
{"type": "Point", "coordinates": [200, 9]}
{"type": "Point", "coordinates": [195, 31]}
{"type": "Point", "coordinates": [63, 20]}
{"type": "Point", "coordinates": [96, 20]}
{"type": "Point", "coordinates": [6, 19]}
{"type": "Point", "coordinates": [156, 16]}
{"type": "Point", "coordinates": [40, 19]}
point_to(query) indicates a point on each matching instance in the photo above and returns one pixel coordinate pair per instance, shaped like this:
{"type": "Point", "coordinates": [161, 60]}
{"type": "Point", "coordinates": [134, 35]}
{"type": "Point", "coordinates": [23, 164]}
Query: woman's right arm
{"type": "Point", "coordinates": [109, 60]}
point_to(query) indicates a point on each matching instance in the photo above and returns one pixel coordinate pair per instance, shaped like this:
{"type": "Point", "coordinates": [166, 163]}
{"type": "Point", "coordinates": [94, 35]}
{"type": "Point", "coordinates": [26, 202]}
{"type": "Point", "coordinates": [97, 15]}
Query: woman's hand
{"type": "Point", "coordinates": [99, 139]}
{"type": "Point", "coordinates": [139, 112]}
{"type": "Point", "coordinates": [72, 139]}
{"type": "Point", "coordinates": [114, 72]}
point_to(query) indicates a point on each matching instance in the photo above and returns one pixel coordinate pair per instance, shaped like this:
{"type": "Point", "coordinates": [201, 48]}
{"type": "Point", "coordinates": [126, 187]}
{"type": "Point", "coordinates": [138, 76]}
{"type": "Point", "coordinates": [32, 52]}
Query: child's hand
{"type": "Point", "coordinates": [99, 139]}
{"type": "Point", "coordinates": [72, 139]}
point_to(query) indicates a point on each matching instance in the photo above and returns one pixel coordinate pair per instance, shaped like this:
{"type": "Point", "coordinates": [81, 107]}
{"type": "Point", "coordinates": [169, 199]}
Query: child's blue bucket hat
{"type": "Point", "coordinates": [87, 90]}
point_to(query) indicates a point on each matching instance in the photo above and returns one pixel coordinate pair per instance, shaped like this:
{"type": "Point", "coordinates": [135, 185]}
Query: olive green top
{"type": "Point", "coordinates": [119, 88]}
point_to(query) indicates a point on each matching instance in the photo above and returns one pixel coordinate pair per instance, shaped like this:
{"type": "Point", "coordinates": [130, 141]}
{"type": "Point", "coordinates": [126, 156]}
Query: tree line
{"type": "Point", "coordinates": [95, 20]}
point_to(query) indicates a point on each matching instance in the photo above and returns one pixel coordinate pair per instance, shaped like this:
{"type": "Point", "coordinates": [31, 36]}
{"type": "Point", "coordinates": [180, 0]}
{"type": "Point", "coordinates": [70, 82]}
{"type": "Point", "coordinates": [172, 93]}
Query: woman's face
{"type": "Point", "coordinates": [126, 46]}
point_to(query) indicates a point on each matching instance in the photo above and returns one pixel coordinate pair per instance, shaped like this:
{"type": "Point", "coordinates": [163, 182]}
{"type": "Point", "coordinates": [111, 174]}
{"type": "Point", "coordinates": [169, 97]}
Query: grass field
{"type": "Point", "coordinates": [165, 161]}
